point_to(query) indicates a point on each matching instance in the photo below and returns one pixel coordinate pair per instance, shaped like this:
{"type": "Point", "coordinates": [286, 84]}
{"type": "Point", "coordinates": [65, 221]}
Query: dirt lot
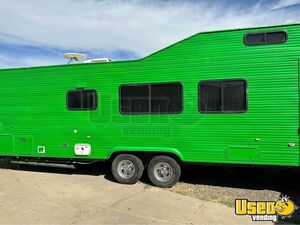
{"type": "Point", "coordinates": [205, 195]}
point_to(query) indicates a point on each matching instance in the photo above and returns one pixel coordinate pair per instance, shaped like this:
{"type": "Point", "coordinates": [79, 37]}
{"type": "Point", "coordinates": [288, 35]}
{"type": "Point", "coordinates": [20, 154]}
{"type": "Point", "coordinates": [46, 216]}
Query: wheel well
{"type": "Point", "coordinates": [145, 156]}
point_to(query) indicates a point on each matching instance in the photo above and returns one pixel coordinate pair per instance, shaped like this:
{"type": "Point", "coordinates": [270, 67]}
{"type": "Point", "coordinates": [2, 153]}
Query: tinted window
{"type": "Point", "coordinates": [82, 100]}
{"type": "Point", "coordinates": [166, 98]}
{"type": "Point", "coordinates": [255, 39]}
{"type": "Point", "coordinates": [211, 96]}
{"type": "Point", "coordinates": [234, 95]}
{"type": "Point", "coordinates": [135, 99]}
{"type": "Point", "coordinates": [273, 37]}
{"type": "Point", "coordinates": [223, 96]}
{"type": "Point", "coordinates": [151, 98]}
{"type": "Point", "coordinates": [276, 37]}
{"type": "Point", "coordinates": [74, 100]}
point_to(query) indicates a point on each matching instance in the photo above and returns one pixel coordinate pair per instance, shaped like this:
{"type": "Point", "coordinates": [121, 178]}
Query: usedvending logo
{"type": "Point", "coordinates": [265, 210]}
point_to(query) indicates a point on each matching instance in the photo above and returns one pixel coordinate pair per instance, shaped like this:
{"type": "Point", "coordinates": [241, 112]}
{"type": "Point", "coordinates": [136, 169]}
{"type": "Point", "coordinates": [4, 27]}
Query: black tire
{"type": "Point", "coordinates": [172, 176]}
{"type": "Point", "coordinates": [121, 176]}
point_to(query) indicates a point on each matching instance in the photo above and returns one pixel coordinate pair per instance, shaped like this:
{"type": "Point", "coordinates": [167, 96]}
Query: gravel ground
{"type": "Point", "coordinates": [224, 185]}
{"type": "Point", "coordinates": [224, 195]}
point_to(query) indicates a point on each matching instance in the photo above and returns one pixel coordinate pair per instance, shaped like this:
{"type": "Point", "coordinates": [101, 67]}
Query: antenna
{"type": "Point", "coordinates": [74, 57]}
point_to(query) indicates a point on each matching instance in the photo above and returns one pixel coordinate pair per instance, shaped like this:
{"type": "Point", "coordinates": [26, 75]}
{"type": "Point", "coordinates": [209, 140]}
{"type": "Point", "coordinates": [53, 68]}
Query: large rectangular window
{"type": "Point", "coordinates": [223, 96]}
{"type": "Point", "coordinates": [151, 98]}
{"type": "Point", "coordinates": [82, 99]}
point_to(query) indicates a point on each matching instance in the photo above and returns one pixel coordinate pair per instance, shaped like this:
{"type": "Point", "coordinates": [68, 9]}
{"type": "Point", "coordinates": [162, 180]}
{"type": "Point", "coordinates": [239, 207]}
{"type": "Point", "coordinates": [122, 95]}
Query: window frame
{"type": "Point", "coordinates": [152, 113]}
{"type": "Point", "coordinates": [82, 90]}
{"type": "Point", "coordinates": [265, 37]}
{"type": "Point", "coordinates": [222, 100]}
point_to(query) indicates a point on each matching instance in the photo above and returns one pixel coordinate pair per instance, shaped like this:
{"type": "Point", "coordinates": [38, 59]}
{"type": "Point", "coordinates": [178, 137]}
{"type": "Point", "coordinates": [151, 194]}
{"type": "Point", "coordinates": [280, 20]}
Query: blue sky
{"type": "Point", "coordinates": [35, 32]}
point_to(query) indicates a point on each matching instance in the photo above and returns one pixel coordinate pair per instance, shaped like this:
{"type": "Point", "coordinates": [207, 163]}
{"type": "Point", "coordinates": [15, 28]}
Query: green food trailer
{"type": "Point", "coordinates": [224, 97]}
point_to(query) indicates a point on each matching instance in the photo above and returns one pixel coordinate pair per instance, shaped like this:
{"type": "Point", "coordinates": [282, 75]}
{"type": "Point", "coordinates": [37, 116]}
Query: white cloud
{"type": "Point", "coordinates": [285, 3]}
{"type": "Point", "coordinates": [138, 26]}
{"type": "Point", "coordinates": [8, 61]}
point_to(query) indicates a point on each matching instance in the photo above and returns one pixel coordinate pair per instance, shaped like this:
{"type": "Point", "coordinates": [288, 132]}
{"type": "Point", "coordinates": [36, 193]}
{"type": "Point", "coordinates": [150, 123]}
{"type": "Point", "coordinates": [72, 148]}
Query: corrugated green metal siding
{"type": "Point", "coordinates": [33, 104]}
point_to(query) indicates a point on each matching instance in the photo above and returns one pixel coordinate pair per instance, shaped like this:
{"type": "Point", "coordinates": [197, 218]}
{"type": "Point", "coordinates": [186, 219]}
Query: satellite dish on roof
{"type": "Point", "coordinates": [74, 57]}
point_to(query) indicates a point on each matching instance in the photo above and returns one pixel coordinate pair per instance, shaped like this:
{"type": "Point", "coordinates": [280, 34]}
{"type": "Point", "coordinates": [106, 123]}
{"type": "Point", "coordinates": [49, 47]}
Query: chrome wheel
{"type": "Point", "coordinates": [126, 169]}
{"type": "Point", "coordinates": [163, 172]}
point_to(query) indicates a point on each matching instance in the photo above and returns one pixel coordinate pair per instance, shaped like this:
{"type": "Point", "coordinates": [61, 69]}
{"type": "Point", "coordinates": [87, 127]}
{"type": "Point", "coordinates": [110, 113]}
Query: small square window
{"type": "Point", "coordinates": [82, 100]}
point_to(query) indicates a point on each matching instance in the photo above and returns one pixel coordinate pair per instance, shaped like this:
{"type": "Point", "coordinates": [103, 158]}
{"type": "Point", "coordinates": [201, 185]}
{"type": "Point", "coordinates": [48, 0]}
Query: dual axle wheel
{"type": "Point", "coordinates": [163, 171]}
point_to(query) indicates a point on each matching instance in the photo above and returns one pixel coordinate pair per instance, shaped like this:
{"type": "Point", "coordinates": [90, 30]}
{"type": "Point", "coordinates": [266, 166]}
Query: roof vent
{"type": "Point", "coordinates": [98, 60]}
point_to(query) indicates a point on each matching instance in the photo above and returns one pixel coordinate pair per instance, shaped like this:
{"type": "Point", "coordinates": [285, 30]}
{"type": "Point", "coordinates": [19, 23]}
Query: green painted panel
{"type": "Point", "coordinates": [23, 145]}
{"type": "Point", "coordinates": [240, 153]}
{"type": "Point", "coordinates": [6, 145]}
